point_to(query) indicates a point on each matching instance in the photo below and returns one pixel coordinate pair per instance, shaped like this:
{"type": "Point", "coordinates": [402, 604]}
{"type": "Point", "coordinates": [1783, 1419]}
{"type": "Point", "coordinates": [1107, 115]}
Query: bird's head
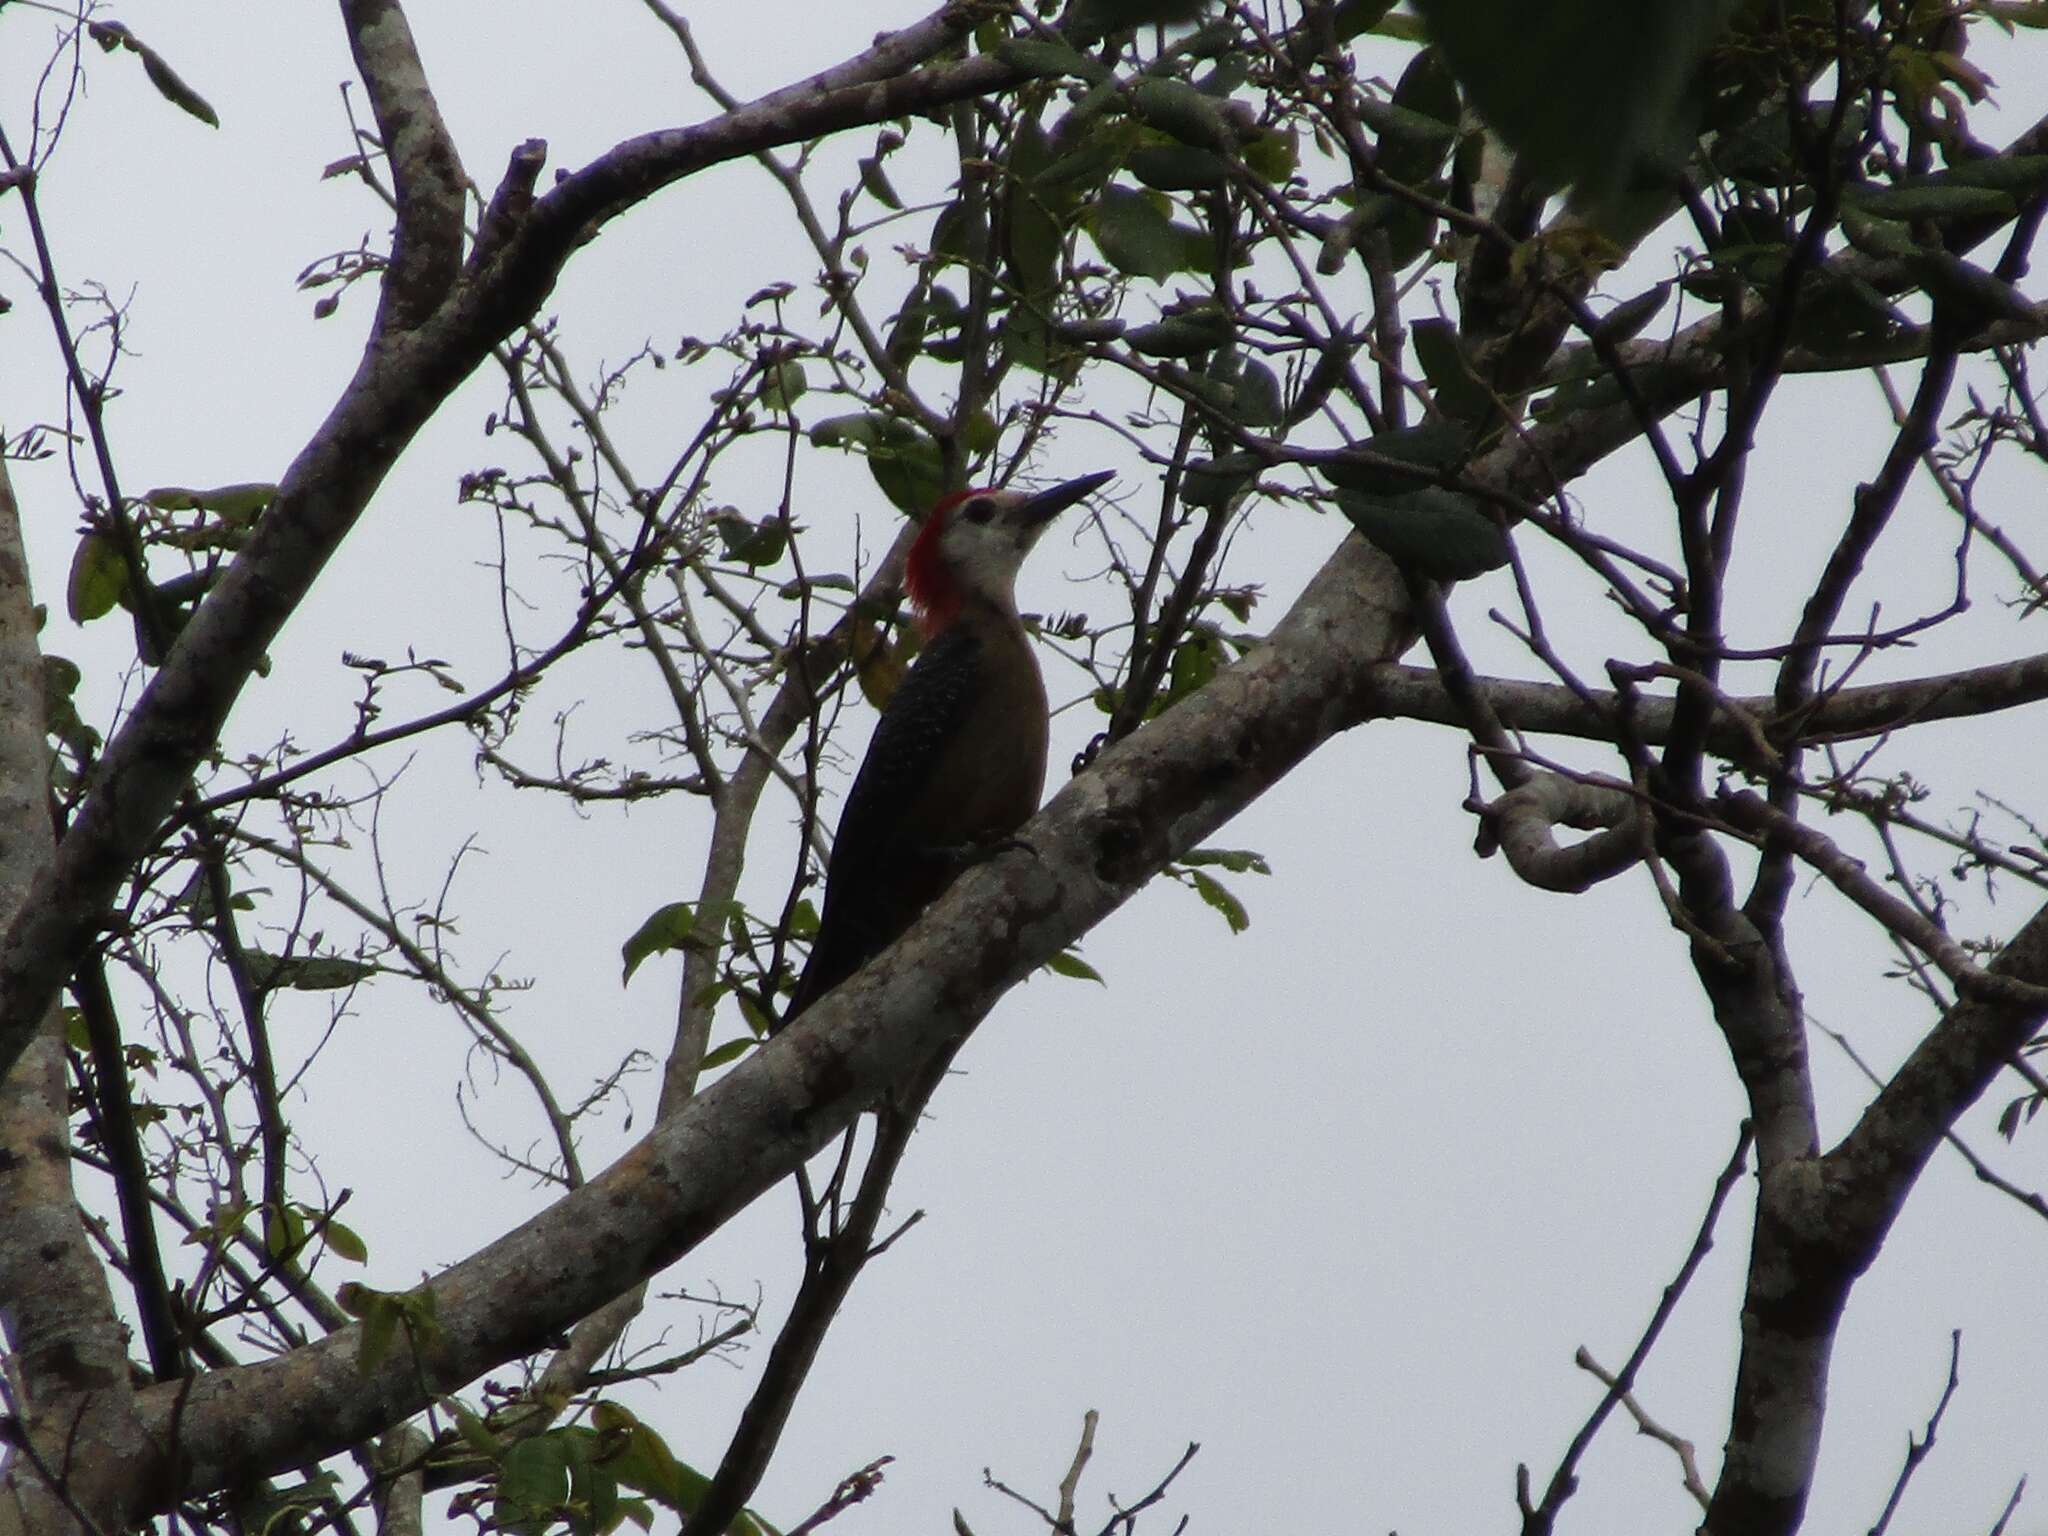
{"type": "Point", "coordinates": [973, 542]}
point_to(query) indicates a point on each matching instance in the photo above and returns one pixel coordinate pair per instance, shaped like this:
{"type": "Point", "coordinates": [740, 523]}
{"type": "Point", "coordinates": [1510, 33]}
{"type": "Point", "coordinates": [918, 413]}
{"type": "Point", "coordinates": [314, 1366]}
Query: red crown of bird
{"type": "Point", "coordinates": [934, 593]}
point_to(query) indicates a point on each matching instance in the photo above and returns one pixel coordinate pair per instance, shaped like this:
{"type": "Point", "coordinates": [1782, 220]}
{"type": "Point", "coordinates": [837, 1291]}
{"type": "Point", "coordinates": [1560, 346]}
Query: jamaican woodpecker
{"type": "Point", "coordinates": [958, 759]}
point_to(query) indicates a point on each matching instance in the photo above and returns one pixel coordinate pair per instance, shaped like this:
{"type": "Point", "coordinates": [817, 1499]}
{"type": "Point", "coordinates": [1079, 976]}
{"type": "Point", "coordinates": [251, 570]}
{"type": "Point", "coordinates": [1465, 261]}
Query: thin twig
{"type": "Point", "coordinates": [1688, 1462]}
{"type": "Point", "coordinates": [1917, 1450]}
{"type": "Point", "coordinates": [1540, 1519]}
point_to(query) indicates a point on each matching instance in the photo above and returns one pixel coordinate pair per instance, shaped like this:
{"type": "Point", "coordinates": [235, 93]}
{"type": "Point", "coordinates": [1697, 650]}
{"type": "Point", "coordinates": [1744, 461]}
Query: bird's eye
{"type": "Point", "coordinates": [979, 510]}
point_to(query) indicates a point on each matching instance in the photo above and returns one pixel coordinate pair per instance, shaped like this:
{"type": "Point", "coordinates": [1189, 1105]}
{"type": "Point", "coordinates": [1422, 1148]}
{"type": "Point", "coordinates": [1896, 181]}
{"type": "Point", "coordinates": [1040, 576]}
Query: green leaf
{"type": "Point", "coordinates": [665, 929]}
{"type": "Point", "coordinates": [1047, 57]}
{"type": "Point", "coordinates": [1188, 334]}
{"type": "Point", "coordinates": [758, 1019]}
{"type": "Point", "coordinates": [1431, 448]}
{"type": "Point", "coordinates": [1135, 234]}
{"type": "Point", "coordinates": [593, 1492]}
{"type": "Point", "coordinates": [1411, 231]}
{"type": "Point", "coordinates": [928, 323]}
{"type": "Point", "coordinates": [782, 384]}
{"type": "Point", "coordinates": [345, 1243]}
{"type": "Point", "coordinates": [1217, 895]}
{"type": "Point", "coordinates": [906, 463]}
{"type": "Point", "coordinates": [1067, 963]}
{"type": "Point", "coordinates": [732, 1050]}
{"type": "Point", "coordinates": [284, 1229]}
{"type": "Point", "coordinates": [636, 1455]}
{"type": "Point", "coordinates": [307, 973]}
{"type": "Point", "coordinates": [1574, 396]}
{"type": "Point", "coordinates": [225, 1220]}
{"type": "Point", "coordinates": [1195, 660]}
{"type": "Point", "coordinates": [60, 682]}
{"type": "Point", "coordinates": [949, 236]}
{"type": "Point", "coordinates": [1444, 535]}
{"type": "Point", "coordinates": [751, 544]}
{"type": "Point", "coordinates": [1214, 483]}
{"type": "Point", "coordinates": [419, 1307]}
{"type": "Point", "coordinates": [533, 1484]}
{"type": "Point", "coordinates": [1259, 399]}
{"type": "Point", "coordinates": [1586, 92]}
{"type": "Point", "coordinates": [380, 1329]}
{"type": "Point", "coordinates": [803, 920]}
{"type": "Point", "coordinates": [1273, 155]}
{"type": "Point", "coordinates": [2008, 173]}
{"type": "Point", "coordinates": [980, 433]}
{"type": "Point", "coordinates": [876, 181]}
{"type": "Point", "coordinates": [99, 579]}
{"type": "Point", "coordinates": [1628, 318]}
{"type": "Point", "coordinates": [1178, 167]}
{"type": "Point", "coordinates": [1255, 395]}
{"type": "Point", "coordinates": [1349, 19]}
{"type": "Point", "coordinates": [238, 503]}
{"type": "Point", "coordinates": [112, 34]}
{"type": "Point", "coordinates": [1930, 200]}
{"type": "Point", "coordinates": [862, 429]}
{"type": "Point", "coordinates": [174, 89]}
{"type": "Point", "coordinates": [1460, 393]}
{"type": "Point", "coordinates": [1180, 110]}
{"type": "Point", "coordinates": [1418, 129]}
{"type": "Point", "coordinates": [1033, 231]}
{"type": "Point", "coordinates": [1408, 137]}
{"type": "Point", "coordinates": [1028, 341]}
{"type": "Point", "coordinates": [1098, 146]}
{"type": "Point", "coordinates": [478, 1435]}
{"type": "Point", "coordinates": [910, 469]}
{"type": "Point", "coordinates": [1873, 236]}
{"type": "Point", "coordinates": [1239, 861]}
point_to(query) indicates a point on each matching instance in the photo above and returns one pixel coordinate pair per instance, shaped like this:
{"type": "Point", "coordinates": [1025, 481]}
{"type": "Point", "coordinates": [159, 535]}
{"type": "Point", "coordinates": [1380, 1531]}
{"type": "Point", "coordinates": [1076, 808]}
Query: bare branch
{"type": "Point", "coordinates": [1540, 1519]}
{"type": "Point", "coordinates": [76, 1427]}
{"type": "Point", "coordinates": [1917, 1450]}
{"type": "Point", "coordinates": [1682, 1448]}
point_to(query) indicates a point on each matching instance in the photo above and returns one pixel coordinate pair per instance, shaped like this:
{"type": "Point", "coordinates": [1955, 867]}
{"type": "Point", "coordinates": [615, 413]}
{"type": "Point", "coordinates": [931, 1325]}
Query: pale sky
{"type": "Point", "coordinates": [1337, 1198]}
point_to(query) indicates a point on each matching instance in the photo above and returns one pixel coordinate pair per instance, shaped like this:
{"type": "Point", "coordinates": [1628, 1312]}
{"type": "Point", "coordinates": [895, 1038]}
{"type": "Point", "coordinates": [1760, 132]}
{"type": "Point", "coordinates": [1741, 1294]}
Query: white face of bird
{"type": "Point", "coordinates": [987, 536]}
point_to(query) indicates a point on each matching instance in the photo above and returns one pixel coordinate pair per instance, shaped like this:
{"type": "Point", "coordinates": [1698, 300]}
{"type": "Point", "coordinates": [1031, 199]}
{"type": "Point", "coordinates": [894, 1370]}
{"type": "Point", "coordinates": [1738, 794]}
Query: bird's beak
{"type": "Point", "coordinates": [1048, 504]}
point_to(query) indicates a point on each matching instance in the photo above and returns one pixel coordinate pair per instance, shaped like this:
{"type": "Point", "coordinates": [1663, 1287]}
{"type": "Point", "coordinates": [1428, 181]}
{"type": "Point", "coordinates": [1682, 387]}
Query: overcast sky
{"type": "Point", "coordinates": [1338, 1198]}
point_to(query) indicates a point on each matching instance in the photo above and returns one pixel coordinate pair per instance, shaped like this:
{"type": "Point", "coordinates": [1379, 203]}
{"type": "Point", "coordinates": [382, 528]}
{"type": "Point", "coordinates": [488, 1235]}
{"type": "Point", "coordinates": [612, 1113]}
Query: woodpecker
{"type": "Point", "coordinates": [958, 758]}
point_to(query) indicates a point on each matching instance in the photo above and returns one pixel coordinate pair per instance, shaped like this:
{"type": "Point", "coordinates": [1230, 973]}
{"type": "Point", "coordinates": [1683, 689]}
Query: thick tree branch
{"type": "Point", "coordinates": [1872, 1169]}
{"type": "Point", "coordinates": [1149, 799]}
{"type": "Point", "coordinates": [1521, 823]}
{"type": "Point", "coordinates": [427, 178]}
{"type": "Point", "coordinates": [67, 1378]}
{"type": "Point", "coordinates": [1848, 714]}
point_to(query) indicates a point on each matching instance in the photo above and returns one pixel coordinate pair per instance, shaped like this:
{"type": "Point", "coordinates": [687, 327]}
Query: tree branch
{"type": "Point", "coordinates": [427, 178]}
{"type": "Point", "coordinates": [1848, 714]}
{"type": "Point", "coordinates": [1146, 801]}
{"type": "Point", "coordinates": [76, 1431]}
{"type": "Point", "coordinates": [401, 382]}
